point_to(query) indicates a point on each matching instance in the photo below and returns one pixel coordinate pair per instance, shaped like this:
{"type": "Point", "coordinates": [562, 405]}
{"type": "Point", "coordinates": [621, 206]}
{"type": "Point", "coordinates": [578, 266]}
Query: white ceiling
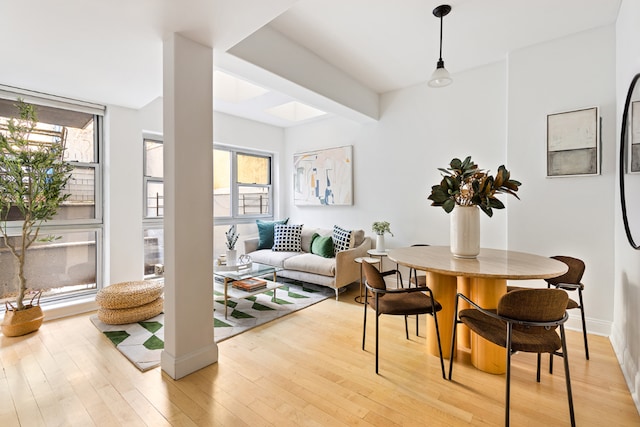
{"type": "Point", "coordinates": [110, 52]}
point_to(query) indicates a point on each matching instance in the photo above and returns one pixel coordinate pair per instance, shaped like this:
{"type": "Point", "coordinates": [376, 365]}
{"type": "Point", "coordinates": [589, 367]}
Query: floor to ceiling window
{"type": "Point", "coordinates": [70, 265]}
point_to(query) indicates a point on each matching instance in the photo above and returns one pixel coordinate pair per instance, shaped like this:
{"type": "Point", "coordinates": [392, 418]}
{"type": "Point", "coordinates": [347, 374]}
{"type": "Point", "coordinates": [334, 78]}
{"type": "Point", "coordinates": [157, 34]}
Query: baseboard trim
{"type": "Point", "coordinates": [178, 367]}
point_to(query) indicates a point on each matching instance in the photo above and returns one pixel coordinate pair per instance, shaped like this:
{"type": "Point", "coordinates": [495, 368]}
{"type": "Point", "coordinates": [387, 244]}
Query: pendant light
{"type": "Point", "coordinates": [440, 77]}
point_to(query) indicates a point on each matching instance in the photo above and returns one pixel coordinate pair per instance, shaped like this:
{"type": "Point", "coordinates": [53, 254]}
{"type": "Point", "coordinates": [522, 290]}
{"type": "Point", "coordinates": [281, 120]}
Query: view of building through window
{"type": "Point", "coordinates": [68, 264]}
{"type": "Point", "coordinates": [242, 191]}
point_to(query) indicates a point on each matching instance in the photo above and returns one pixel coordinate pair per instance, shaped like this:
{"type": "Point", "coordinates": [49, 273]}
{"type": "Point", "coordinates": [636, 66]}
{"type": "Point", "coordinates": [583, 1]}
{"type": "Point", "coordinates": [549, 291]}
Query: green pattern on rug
{"type": "Point", "coordinates": [117, 337]}
{"type": "Point", "coordinates": [143, 342]}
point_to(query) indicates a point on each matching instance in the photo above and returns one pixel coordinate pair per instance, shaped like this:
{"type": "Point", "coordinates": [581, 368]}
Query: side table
{"type": "Point", "coordinates": [359, 299]}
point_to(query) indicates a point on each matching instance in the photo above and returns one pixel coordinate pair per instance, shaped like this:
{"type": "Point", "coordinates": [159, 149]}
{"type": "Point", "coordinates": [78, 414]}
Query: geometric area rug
{"type": "Point", "coordinates": [143, 342]}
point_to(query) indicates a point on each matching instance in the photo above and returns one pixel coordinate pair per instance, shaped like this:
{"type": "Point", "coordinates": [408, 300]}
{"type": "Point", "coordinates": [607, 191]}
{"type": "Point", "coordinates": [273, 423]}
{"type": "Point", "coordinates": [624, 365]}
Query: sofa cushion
{"type": "Point", "coordinates": [358, 238]}
{"type": "Point", "coordinates": [266, 232]}
{"type": "Point", "coordinates": [323, 246]}
{"type": "Point", "coordinates": [311, 263]}
{"type": "Point", "coordinates": [307, 237]}
{"type": "Point", "coordinates": [269, 257]}
{"type": "Point", "coordinates": [342, 239]}
{"type": "Point", "coordinates": [287, 238]}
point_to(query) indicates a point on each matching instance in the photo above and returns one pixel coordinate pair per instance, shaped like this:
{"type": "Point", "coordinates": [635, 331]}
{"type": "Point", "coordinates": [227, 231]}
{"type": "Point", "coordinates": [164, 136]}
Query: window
{"type": "Point", "coordinates": [153, 205]}
{"type": "Point", "coordinates": [242, 185]}
{"type": "Point", "coordinates": [242, 192]}
{"type": "Point", "coordinates": [70, 265]}
{"type": "Point", "coordinates": [153, 178]}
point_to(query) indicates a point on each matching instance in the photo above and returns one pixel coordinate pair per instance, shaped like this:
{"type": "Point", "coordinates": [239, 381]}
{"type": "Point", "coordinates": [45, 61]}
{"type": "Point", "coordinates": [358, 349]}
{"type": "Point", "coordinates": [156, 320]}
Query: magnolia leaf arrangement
{"type": "Point", "coordinates": [232, 237]}
{"type": "Point", "coordinates": [381, 227]}
{"type": "Point", "coordinates": [33, 176]}
{"type": "Point", "coordinates": [464, 184]}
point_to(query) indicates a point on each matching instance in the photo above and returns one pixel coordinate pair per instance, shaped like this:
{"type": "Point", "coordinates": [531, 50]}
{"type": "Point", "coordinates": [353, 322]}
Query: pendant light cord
{"type": "Point", "coordinates": [440, 37]}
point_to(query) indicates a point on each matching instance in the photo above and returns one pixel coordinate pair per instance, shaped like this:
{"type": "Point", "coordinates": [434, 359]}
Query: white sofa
{"type": "Point", "coordinates": [335, 273]}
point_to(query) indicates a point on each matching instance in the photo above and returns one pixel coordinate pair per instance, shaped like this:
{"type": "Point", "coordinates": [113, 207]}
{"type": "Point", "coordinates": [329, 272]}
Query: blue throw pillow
{"type": "Point", "coordinates": [265, 232]}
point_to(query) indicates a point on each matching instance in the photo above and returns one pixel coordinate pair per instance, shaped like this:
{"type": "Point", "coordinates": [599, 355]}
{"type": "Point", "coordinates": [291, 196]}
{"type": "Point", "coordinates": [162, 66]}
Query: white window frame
{"type": "Point", "coordinates": [236, 217]}
{"type": "Point", "coordinates": [54, 226]}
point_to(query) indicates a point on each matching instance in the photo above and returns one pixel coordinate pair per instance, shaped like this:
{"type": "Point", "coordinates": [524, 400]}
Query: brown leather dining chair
{"type": "Point", "coordinates": [401, 301]}
{"type": "Point", "coordinates": [417, 280]}
{"type": "Point", "coordinates": [570, 281]}
{"type": "Point", "coordinates": [526, 320]}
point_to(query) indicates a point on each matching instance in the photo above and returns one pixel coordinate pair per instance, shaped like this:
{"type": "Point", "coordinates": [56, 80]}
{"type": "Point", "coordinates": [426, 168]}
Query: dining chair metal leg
{"type": "Point", "coordinates": [453, 337]}
{"type": "Point", "coordinates": [435, 320]}
{"type": "Point", "coordinates": [364, 324]}
{"type": "Point", "coordinates": [406, 327]}
{"type": "Point", "coordinates": [584, 325]}
{"type": "Point", "coordinates": [377, 319]}
{"type": "Point", "coordinates": [566, 375]}
{"type": "Point", "coordinates": [508, 388]}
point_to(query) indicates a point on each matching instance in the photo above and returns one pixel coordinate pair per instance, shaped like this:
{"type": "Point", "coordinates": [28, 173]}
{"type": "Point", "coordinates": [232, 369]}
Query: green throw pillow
{"type": "Point", "coordinates": [265, 232]}
{"type": "Point", "coordinates": [314, 237]}
{"type": "Point", "coordinates": [323, 246]}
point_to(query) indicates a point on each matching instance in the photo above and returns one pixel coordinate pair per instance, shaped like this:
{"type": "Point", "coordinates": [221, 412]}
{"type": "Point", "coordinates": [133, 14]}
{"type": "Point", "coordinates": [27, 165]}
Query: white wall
{"type": "Point", "coordinates": [497, 114]}
{"type": "Point", "coordinates": [570, 215]}
{"type": "Point", "coordinates": [396, 160]}
{"type": "Point", "coordinates": [625, 337]}
{"type": "Point", "coordinates": [124, 255]}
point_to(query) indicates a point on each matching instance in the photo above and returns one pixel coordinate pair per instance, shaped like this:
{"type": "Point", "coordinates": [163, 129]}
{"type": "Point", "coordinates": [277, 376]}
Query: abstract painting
{"type": "Point", "coordinates": [323, 177]}
{"type": "Point", "coordinates": [573, 143]}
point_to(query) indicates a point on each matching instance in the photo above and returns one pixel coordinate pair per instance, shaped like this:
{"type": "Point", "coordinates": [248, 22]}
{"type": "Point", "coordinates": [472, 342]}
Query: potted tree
{"type": "Point", "coordinates": [33, 175]}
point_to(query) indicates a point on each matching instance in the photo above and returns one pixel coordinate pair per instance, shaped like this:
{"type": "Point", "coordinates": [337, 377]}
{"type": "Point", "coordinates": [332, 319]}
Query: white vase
{"type": "Point", "coordinates": [465, 231]}
{"type": "Point", "coordinates": [380, 242]}
{"type": "Point", "coordinates": [231, 257]}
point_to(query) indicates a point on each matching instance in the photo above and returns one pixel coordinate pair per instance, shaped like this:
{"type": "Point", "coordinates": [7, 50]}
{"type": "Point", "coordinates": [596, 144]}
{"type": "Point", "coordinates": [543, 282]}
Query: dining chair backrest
{"type": "Point", "coordinates": [533, 305]}
{"type": "Point", "coordinates": [373, 277]}
{"type": "Point", "coordinates": [574, 275]}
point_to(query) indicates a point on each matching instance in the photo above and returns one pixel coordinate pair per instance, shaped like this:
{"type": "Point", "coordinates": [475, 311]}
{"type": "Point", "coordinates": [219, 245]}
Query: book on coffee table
{"type": "Point", "coordinates": [250, 284]}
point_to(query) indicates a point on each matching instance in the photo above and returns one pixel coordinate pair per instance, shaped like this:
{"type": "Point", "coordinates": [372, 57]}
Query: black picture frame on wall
{"type": "Point", "coordinates": [573, 143]}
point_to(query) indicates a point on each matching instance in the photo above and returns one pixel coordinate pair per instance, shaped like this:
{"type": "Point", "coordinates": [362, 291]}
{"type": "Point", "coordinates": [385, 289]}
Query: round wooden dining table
{"type": "Point", "coordinates": [483, 280]}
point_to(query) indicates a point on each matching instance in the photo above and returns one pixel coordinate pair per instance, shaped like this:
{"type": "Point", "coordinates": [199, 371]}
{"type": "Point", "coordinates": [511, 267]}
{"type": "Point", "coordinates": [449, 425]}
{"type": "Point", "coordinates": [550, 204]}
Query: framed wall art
{"type": "Point", "coordinates": [323, 177]}
{"type": "Point", "coordinates": [573, 143]}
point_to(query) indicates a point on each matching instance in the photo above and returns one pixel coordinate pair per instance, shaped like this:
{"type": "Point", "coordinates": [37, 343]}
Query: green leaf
{"type": "Point", "coordinates": [456, 164]}
{"type": "Point", "coordinates": [487, 210]}
{"type": "Point", "coordinates": [448, 205]}
{"type": "Point", "coordinates": [495, 203]}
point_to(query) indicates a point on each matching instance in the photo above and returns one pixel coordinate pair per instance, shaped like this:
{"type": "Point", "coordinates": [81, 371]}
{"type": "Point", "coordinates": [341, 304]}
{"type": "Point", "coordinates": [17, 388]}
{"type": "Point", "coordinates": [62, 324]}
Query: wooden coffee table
{"type": "Point", "coordinates": [223, 280]}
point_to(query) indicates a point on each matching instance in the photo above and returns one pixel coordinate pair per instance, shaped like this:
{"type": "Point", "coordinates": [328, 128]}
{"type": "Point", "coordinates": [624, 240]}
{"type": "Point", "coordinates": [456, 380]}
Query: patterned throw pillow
{"type": "Point", "coordinates": [341, 239]}
{"type": "Point", "coordinates": [287, 238]}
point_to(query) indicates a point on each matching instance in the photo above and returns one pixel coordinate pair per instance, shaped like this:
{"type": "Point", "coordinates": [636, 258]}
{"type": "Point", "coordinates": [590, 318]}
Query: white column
{"type": "Point", "coordinates": [188, 209]}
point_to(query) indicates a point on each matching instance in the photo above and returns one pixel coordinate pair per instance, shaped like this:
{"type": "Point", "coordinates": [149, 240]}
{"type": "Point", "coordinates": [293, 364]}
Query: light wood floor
{"type": "Point", "coordinates": [304, 369]}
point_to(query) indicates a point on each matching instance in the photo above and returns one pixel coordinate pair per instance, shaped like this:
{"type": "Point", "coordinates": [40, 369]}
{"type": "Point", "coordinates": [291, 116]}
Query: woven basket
{"type": "Point", "coordinates": [17, 323]}
{"type": "Point", "coordinates": [131, 315]}
{"type": "Point", "coordinates": [129, 294]}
